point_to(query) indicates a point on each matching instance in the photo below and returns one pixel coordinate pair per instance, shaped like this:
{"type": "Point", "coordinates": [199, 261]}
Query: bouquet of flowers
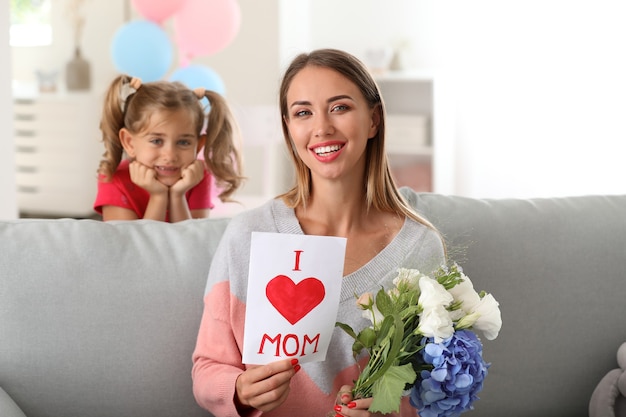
{"type": "Point", "coordinates": [421, 339]}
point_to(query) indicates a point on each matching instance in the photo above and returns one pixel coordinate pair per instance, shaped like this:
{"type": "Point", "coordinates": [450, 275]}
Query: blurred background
{"type": "Point", "coordinates": [486, 99]}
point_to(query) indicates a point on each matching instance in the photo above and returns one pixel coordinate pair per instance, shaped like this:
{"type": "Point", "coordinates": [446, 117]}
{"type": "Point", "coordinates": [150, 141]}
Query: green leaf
{"type": "Point", "coordinates": [367, 337]}
{"type": "Point", "coordinates": [387, 391]}
{"type": "Point", "coordinates": [385, 330]}
{"type": "Point", "coordinates": [346, 328]}
{"type": "Point", "coordinates": [390, 353]}
{"type": "Point", "coordinates": [357, 347]}
{"type": "Point", "coordinates": [384, 303]}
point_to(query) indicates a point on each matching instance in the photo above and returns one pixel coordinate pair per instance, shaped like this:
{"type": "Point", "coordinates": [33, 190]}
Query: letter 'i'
{"type": "Point", "coordinates": [297, 266]}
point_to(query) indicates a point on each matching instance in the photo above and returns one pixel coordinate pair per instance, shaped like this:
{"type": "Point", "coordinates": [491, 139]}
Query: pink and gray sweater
{"type": "Point", "coordinates": [217, 356]}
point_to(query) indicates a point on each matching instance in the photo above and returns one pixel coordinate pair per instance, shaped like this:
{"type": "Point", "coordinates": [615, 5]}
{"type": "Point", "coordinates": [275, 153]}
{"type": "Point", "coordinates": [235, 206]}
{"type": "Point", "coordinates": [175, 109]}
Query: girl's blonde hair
{"type": "Point", "coordinates": [381, 192]}
{"type": "Point", "coordinates": [132, 111]}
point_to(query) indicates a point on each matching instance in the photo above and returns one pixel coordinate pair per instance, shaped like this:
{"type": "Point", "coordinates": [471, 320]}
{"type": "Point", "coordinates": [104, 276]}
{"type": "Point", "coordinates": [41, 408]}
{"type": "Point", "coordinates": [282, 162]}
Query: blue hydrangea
{"type": "Point", "coordinates": [458, 372]}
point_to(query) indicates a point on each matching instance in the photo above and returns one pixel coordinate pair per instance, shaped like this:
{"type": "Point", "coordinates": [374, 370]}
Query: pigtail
{"type": "Point", "coordinates": [221, 151]}
{"type": "Point", "coordinates": [111, 123]}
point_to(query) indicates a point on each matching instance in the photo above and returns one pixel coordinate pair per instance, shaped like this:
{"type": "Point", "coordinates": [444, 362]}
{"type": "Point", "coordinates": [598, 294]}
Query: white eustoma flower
{"type": "Point", "coordinates": [465, 322]}
{"type": "Point", "coordinates": [436, 323]}
{"type": "Point", "coordinates": [481, 313]}
{"type": "Point", "coordinates": [489, 320]}
{"type": "Point", "coordinates": [435, 320]}
{"type": "Point", "coordinates": [464, 292]}
{"type": "Point", "coordinates": [433, 294]}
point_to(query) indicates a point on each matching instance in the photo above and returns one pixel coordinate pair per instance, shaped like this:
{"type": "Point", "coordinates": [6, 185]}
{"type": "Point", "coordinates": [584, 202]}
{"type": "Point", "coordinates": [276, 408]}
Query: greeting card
{"type": "Point", "coordinates": [294, 285]}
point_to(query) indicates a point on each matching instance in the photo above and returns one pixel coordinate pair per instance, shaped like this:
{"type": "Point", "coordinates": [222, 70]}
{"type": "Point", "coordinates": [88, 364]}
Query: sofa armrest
{"type": "Point", "coordinates": [8, 408]}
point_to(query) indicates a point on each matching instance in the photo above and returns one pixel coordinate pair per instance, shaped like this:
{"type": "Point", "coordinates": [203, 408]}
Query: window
{"type": "Point", "coordinates": [30, 23]}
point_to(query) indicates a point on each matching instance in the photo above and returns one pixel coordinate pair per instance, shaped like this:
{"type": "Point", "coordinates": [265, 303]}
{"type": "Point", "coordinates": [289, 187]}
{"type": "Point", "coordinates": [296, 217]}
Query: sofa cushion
{"type": "Point", "coordinates": [97, 319]}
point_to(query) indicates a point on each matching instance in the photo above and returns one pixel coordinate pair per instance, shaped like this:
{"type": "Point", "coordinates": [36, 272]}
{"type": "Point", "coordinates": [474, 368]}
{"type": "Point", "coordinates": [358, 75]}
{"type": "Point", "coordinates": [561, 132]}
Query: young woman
{"type": "Point", "coordinates": [159, 126]}
{"type": "Point", "coordinates": [333, 122]}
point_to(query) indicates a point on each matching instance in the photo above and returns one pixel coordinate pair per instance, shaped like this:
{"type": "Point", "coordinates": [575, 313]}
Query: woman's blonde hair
{"type": "Point", "coordinates": [381, 192]}
{"type": "Point", "coordinates": [132, 111]}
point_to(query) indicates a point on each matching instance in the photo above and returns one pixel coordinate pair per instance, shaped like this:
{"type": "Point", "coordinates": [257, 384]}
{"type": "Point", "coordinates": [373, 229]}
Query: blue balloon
{"type": "Point", "coordinates": [142, 49]}
{"type": "Point", "coordinates": [194, 76]}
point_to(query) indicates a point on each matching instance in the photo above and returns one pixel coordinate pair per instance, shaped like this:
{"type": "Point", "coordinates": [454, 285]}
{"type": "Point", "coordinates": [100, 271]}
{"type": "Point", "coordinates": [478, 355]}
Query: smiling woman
{"type": "Point", "coordinates": [333, 120]}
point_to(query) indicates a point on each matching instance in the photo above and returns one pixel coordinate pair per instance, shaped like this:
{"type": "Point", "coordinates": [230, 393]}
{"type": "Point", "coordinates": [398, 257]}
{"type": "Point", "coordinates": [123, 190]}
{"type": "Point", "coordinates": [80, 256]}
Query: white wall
{"type": "Point", "coordinates": [359, 25]}
{"type": "Point", "coordinates": [8, 194]}
{"type": "Point", "coordinates": [537, 93]}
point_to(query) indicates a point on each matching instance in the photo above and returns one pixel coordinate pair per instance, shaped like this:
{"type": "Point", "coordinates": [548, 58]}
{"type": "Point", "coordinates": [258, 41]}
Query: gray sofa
{"type": "Point", "coordinates": [99, 319]}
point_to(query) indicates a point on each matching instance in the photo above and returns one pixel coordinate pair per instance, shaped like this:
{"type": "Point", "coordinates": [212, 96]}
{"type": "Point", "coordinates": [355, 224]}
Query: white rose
{"type": "Point", "coordinates": [436, 323]}
{"type": "Point", "coordinates": [409, 277]}
{"type": "Point", "coordinates": [365, 301]}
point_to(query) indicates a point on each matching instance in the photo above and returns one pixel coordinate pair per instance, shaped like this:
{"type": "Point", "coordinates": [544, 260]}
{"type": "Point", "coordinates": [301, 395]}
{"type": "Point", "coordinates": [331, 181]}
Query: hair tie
{"type": "Point", "coordinates": [199, 92]}
{"type": "Point", "coordinates": [127, 89]}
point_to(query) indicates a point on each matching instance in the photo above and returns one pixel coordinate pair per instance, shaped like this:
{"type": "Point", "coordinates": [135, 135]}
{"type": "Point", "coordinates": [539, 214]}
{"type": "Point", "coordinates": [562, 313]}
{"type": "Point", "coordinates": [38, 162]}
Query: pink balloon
{"type": "Point", "coordinates": [158, 10]}
{"type": "Point", "coordinates": [204, 27]}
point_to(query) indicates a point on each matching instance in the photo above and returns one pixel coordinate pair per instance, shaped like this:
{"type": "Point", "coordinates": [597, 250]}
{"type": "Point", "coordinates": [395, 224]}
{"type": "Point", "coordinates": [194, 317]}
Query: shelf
{"type": "Point", "coordinates": [408, 98]}
{"type": "Point", "coordinates": [57, 152]}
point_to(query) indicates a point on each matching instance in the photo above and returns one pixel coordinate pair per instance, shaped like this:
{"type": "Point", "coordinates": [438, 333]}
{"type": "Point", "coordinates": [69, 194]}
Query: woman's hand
{"type": "Point", "coordinates": [349, 407]}
{"type": "Point", "coordinates": [190, 177]}
{"type": "Point", "coordinates": [146, 178]}
{"type": "Point", "coordinates": [265, 387]}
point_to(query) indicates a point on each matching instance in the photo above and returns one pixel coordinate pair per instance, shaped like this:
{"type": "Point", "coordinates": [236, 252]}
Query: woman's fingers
{"type": "Point", "coordinates": [266, 387]}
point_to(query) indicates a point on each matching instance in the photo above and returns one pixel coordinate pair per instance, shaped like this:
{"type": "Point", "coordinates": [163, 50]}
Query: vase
{"type": "Point", "coordinates": [78, 73]}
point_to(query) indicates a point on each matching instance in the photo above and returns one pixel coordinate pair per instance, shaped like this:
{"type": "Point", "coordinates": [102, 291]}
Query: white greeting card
{"type": "Point", "coordinates": [294, 285]}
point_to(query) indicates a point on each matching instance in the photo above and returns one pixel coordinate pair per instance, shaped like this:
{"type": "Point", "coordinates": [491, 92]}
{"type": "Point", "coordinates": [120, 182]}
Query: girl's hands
{"type": "Point", "coordinates": [191, 176]}
{"type": "Point", "coordinates": [164, 197]}
{"type": "Point", "coordinates": [265, 387]}
{"type": "Point", "coordinates": [349, 407]}
{"type": "Point", "coordinates": [146, 178]}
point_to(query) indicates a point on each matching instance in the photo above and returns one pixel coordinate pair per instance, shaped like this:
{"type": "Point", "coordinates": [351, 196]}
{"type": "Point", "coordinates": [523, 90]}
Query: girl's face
{"type": "Point", "coordinates": [168, 144]}
{"type": "Point", "coordinates": [329, 122]}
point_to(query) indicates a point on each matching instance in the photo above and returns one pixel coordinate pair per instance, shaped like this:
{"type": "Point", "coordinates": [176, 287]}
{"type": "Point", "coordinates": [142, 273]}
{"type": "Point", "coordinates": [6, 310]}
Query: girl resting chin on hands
{"type": "Point", "coordinates": [152, 135]}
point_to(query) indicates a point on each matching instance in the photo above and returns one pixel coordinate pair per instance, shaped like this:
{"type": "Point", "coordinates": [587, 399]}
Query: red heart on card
{"type": "Point", "coordinates": [294, 301]}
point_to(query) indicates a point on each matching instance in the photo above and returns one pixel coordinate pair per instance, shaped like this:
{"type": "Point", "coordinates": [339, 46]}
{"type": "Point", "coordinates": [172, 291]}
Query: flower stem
{"type": "Point", "coordinates": [364, 387]}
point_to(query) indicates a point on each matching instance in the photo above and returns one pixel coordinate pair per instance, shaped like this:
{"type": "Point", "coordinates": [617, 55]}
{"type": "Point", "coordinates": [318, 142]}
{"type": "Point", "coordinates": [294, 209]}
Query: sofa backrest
{"type": "Point", "coordinates": [100, 319]}
{"type": "Point", "coordinates": [97, 319]}
{"type": "Point", "coordinates": [557, 268]}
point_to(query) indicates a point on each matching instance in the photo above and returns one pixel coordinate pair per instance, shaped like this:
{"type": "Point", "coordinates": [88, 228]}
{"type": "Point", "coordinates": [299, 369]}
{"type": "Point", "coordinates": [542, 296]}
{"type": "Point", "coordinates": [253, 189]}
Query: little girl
{"type": "Point", "coordinates": [159, 126]}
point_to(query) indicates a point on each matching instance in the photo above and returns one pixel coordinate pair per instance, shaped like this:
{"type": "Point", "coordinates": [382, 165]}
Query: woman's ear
{"type": "Point", "coordinates": [126, 139]}
{"type": "Point", "coordinates": [375, 124]}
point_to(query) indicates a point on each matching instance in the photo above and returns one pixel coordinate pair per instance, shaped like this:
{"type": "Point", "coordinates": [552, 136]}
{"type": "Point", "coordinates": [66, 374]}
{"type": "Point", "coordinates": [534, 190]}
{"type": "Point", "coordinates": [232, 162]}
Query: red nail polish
{"type": "Point", "coordinates": [296, 368]}
{"type": "Point", "coordinates": [337, 408]}
{"type": "Point", "coordinates": [351, 404]}
{"type": "Point", "coordinates": [294, 361]}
